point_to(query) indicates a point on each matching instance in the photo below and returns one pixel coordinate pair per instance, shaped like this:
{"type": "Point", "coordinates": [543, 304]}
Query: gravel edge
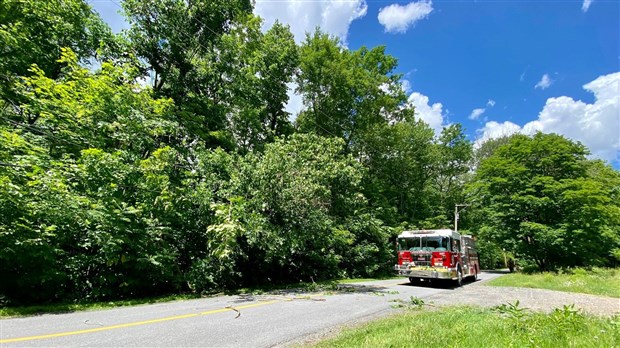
{"type": "Point", "coordinates": [540, 300]}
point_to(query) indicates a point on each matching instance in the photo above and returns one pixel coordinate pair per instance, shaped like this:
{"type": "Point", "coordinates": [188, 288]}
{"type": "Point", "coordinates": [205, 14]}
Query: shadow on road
{"type": "Point", "coordinates": [439, 283]}
{"type": "Point", "coordinates": [338, 289]}
{"type": "Point", "coordinates": [333, 289]}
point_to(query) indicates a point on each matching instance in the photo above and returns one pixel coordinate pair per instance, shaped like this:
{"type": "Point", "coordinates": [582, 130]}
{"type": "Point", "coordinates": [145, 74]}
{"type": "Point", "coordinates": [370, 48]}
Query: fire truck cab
{"type": "Point", "coordinates": [436, 254]}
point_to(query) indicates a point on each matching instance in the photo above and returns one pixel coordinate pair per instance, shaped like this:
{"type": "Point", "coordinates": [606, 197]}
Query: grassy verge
{"type": "Point", "coordinates": [598, 281]}
{"type": "Point", "coordinates": [509, 326]}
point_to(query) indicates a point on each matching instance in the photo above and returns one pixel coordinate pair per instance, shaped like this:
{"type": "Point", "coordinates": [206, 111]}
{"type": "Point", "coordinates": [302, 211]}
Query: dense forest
{"type": "Point", "coordinates": [162, 160]}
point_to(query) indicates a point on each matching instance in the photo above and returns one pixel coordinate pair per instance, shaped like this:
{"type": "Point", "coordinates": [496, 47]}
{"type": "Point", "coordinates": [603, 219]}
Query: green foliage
{"type": "Point", "coordinates": [596, 281]}
{"type": "Point", "coordinates": [490, 255]}
{"type": "Point", "coordinates": [544, 201]}
{"type": "Point", "coordinates": [517, 315]}
{"type": "Point", "coordinates": [303, 196]}
{"type": "Point", "coordinates": [465, 326]}
{"type": "Point", "coordinates": [195, 53]}
{"type": "Point", "coordinates": [452, 154]}
{"type": "Point", "coordinates": [265, 68]}
{"type": "Point", "coordinates": [347, 93]}
{"type": "Point", "coordinates": [398, 178]}
{"type": "Point", "coordinates": [81, 228]}
{"type": "Point", "coordinates": [34, 33]}
{"type": "Point", "coordinates": [107, 109]}
{"type": "Point", "coordinates": [488, 148]}
{"type": "Point", "coordinates": [416, 302]}
{"type": "Point", "coordinates": [174, 166]}
{"type": "Point", "coordinates": [565, 319]}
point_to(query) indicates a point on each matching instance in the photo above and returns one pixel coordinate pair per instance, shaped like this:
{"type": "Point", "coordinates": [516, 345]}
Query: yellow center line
{"type": "Point", "coordinates": [137, 323]}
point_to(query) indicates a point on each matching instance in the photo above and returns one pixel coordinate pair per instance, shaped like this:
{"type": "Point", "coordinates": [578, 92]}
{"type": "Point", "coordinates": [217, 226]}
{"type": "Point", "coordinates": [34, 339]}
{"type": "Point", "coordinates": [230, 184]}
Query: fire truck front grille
{"type": "Point", "coordinates": [421, 259]}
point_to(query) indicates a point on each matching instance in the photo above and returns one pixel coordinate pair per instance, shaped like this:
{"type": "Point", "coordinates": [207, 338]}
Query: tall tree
{"type": "Point", "coordinates": [399, 159]}
{"type": "Point", "coordinates": [179, 42]}
{"type": "Point", "coordinates": [277, 61]}
{"type": "Point", "coordinates": [347, 93]}
{"type": "Point", "coordinates": [487, 149]}
{"type": "Point", "coordinates": [34, 32]}
{"type": "Point", "coordinates": [453, 156]}
{"type": "Point", "coordinates": [546, 202]}
{"type": "Point", "coordinates": [266, 65]}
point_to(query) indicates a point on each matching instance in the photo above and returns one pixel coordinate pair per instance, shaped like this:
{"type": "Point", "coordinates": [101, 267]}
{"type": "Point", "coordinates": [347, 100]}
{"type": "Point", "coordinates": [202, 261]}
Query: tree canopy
{"type": "Point", "coordinates": [544, 200]}
{"type": "Point", "coordinates": [163, 159]}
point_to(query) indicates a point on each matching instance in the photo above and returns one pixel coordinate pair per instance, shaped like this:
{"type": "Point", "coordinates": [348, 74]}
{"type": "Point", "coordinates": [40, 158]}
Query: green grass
{"type": "Point", "coordinates": [477, 327]}
{"type": "Point", "coordinates": [18, 311]}
{"type": "Point", "coordinates": [598, 281]}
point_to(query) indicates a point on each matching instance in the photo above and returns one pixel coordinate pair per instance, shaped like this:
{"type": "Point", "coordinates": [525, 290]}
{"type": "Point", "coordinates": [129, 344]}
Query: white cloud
{"type": "Point", "coordinates": [494, 130]}
{"type": "Point", "coordinates": [586, 5]}
{"type": "Point", "coordinates": [545, 82]}
{"type": "Point", "coordinates": [332, 16]}
{"type": "Point", "coordinates": [595, 125]}
{"type": "Point", "coordinates": [431, 114]}
{"type": "Point", "coordinates": [406, 85]}
{"type": "Point", "coordinates": [397, 19]}
{"type": "Point", "coordinates": [475, 113]}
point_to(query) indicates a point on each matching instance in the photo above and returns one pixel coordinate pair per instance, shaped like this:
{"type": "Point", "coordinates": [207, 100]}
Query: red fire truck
{"type": "Point", "coordinates": [436, 254]}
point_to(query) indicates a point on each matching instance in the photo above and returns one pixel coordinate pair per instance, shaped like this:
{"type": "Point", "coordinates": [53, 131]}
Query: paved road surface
{"type": "Point", "coordinates": [225, 321]}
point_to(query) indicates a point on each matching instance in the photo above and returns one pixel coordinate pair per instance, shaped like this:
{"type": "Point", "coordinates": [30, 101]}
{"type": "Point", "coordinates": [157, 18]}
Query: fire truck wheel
{"type": "Point", "coordinates": [459, 277]}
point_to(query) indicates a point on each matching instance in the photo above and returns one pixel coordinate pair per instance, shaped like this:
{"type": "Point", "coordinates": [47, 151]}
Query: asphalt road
{"type": "Point", "coordinates": [277, 319]}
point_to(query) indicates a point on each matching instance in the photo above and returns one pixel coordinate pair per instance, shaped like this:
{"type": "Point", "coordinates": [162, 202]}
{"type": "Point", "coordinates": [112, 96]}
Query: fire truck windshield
{"type": "Point", "coordinates": [425, 243]}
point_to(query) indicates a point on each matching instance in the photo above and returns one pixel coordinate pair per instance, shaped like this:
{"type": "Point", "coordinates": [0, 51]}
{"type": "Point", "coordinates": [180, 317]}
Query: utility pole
{"type": "Point", "coordinates": [456, 215]}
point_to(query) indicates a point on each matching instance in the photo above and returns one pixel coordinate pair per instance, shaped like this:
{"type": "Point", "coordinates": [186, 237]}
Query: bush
{"type": "Point", "coordinates": [490, 255]}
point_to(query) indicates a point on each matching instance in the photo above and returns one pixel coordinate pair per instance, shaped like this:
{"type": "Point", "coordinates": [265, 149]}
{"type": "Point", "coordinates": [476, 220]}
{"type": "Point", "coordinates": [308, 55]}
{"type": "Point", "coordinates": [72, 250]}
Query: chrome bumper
{"type": "Point", "coordinates": [425, 272]}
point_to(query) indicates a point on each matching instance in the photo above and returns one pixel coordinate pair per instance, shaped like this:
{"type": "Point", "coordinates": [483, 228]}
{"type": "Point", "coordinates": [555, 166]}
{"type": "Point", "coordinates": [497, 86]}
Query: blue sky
{"type": "Point", "coordinates": [522, 64]}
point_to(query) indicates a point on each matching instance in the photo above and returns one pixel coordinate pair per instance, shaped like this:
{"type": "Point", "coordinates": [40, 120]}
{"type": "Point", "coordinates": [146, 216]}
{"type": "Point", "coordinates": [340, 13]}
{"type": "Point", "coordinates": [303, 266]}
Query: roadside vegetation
{"type": "Point", "coordinates": [504, 326]}
{"type": "Point", "coordinates": [595, 281]}
{"type": "Point", "coordinates": [162, 160]}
